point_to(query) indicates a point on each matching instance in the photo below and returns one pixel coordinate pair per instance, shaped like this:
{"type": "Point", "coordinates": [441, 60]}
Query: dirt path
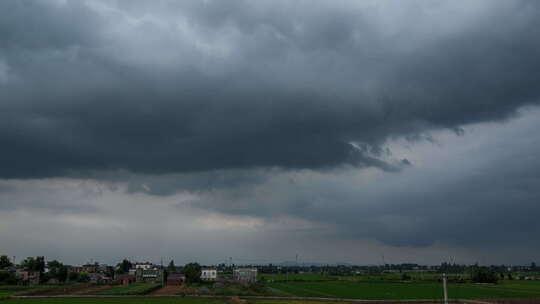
{"type": "Point", "coordinates": [94, 290]}
{"type": "Point", "coordinates": [169, 290]}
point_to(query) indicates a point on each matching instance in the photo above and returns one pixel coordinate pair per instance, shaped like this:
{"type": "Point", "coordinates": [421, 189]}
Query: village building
{"type": "Point", "coordinates": [99, 278]}
{"type": "Point", "coordinates": [28, 277]}
{"type": "Point", "coordinates": [154, 275]}
{"type": "Point", "coordinates": [125, 279]}
{"type": "Point", "coordinates": [245, 275]}
{"type": "Point", "coordinates": [89, 268]}
{"type": "Point", "coordinates": [208, 274]}
{"type": "Point", "coordinates": [175, 278]}
{"type": "Point", "coordinates": [145, 266]}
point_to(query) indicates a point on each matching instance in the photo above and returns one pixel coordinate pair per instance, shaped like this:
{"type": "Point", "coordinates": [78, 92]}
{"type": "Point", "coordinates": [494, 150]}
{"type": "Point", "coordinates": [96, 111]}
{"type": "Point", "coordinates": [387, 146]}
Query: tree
{"type": "Point", "coordinates": [84, 277]}
{"type": "Point", "coordinates": [57, 270]}
{"type": "Point", "coordinates": [192, 271]}
{"type": "Point", "coordinates": [533, 266]}
{"type": "Point", "coordinates": [7, 277]}
{"type": "Point", "coordinates": [171, 267]}
{"type": "Point", "coordinates": [125, 266]}
{"type": "Point", "coordinates": [484, 275]}
{"type": "Point", "coordinates": [73, 276]}
{"type": "Point", "coordinates": [5, 262]}
{"type": "Point", "coordinates": [34, 264]}
{"type": "Point", "coordinates": [54, 264]}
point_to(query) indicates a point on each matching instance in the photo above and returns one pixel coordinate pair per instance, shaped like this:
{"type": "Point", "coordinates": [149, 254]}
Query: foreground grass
{"type": "Point", "coordinates": [9, 290]}
{"type": "Point", "coordinates": [328, 289]}
{"type": "Point", "coordinates": [410, 290]}
{"type": "Point", "coordinates": [113, 301]}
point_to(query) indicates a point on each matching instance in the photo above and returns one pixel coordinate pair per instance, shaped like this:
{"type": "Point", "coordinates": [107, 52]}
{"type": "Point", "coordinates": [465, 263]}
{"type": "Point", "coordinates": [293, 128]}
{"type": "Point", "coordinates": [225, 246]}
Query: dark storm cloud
{"type": "Point", "coordinates": [206, 85]}
{"type": "Point", "coordinates": [32, 196]}
{"type": "Point", "coordinates": [484, 200]}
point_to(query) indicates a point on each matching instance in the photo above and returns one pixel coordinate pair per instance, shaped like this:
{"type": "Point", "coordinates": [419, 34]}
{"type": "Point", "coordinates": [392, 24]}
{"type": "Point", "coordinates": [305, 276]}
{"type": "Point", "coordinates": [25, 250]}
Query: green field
{"type": "Point", "coordinates": [314, 287]}
{"type": "Point", "coordinates": [13, 290]}
{"type": "Point", "coordinates": [408, 290]}
{"type": "Point", "coordinates": [132, 289]}
{"type": "Point", "coordinates": [415, 276]}
{"type": "Point", "coordinates": [297, 277]}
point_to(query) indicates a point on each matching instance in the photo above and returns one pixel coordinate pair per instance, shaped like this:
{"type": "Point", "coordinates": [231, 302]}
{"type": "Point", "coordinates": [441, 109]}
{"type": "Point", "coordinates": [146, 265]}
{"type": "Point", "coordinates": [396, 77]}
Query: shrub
{"type": "Point", "coordinates": [485, 275]}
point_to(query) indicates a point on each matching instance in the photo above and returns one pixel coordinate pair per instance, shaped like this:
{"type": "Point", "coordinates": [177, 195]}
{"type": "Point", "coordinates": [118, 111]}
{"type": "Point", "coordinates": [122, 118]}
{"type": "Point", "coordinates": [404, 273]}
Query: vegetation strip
{"type": "Point", "coordinates": [314, 299]}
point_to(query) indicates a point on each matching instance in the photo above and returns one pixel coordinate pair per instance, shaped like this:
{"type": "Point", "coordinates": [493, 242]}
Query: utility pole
{"type": "Point", "coordinates": [162, 274]}
{"type": "Point", "coordinates": [444, 288]}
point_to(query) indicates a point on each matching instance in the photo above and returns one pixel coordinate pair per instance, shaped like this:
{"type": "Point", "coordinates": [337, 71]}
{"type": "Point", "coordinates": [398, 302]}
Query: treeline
{"type": "Point", "coordinates": [56, 271]}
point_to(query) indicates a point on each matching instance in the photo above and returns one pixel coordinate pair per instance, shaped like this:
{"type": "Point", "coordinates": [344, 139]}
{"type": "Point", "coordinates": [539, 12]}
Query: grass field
{"type": "Point", "coordinates": [132, 289]}
{"type": "Point", "coordinates": [297, 277]}
{"type": "Point", "coordinates": [415, 276]}
{"type": "Point", "coordinates": [13, 290]}
{"type": "Point", "coordinates": [317, 286]}
{"type": "Point", "coordinates": [409, 290]}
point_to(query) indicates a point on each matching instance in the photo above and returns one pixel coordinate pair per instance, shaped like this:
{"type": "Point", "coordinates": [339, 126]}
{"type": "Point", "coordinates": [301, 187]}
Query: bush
{"type": "Point", "coordinates": [485, 275]}
{"type": "Point", "coordinates": [73, 276]}
{"type": "Point", "coordinates": [8, 278]}
{"type": "Point", "coordinates": [84, 277]}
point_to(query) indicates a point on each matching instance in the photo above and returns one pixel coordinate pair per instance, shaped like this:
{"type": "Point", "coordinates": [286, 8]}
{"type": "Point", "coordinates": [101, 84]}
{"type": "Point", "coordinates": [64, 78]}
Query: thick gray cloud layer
{"type": "Point", "coordinates": [246, 121]}
{"type": "Point", "coordinates": [172, 87]}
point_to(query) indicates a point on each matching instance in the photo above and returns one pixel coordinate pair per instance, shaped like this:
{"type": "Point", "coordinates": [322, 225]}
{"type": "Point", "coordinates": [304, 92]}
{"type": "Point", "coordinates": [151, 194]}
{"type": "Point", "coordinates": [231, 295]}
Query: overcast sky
{"type": "Point", "coordinates": [337, 130]}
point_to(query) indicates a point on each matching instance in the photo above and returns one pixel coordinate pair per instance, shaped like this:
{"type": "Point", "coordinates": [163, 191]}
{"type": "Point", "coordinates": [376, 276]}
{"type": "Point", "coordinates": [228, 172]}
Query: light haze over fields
{"type": "Point", "coordinates": [337, 130]}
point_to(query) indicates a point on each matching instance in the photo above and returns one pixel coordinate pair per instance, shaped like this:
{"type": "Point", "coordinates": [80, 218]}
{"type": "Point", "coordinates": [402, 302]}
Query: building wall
{"type": "Point", "coordinates": [149, 275]}
{"type": "Point", "coordinates": [208, 274]}
{"type": "Point", "coordinates": [245, 275]}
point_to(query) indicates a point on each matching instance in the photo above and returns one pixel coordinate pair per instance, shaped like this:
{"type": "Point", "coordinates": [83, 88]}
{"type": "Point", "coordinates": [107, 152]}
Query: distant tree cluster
{"type": "Point", "coordinates": [5, 262]}
{"type": "Point", "coordinates": [34, 264]}
{"type": "Point", "coordinates": [57, 271]}
{"type": "Point", "coordinates": [484, 275]}
{"type": "Point", "coordinates": [124, 267]}
{"type": "Point", "coordinates": [6, 277]}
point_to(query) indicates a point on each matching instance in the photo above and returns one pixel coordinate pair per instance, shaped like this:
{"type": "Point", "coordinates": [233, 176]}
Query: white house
{"type": "Point", "coordinates": [144, 266]}
{"type": "Point", "coordinates": [208, 274]}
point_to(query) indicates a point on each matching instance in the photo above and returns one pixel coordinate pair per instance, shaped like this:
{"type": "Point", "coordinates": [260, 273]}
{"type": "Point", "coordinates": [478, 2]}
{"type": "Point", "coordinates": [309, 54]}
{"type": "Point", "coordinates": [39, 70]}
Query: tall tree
{"type": "Point", "coordinates": [5, 262]}
{"type": "Point", "coordinates": [40, 264]}
{"type": "Point", "coordinates": [62, 274]}
{"type": "Point", "coordinates": [34, 264]}
{"type": "Point", "coordinates": [192, 271]}
{"type": "Point", "coordinates": [54, 264]}
{"type": "Point", "coordinates": [124, 266]}
{"type": "Point", "coordinates": [171, 267]}
{"type": "Point", "coordinates": [57, 270]}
